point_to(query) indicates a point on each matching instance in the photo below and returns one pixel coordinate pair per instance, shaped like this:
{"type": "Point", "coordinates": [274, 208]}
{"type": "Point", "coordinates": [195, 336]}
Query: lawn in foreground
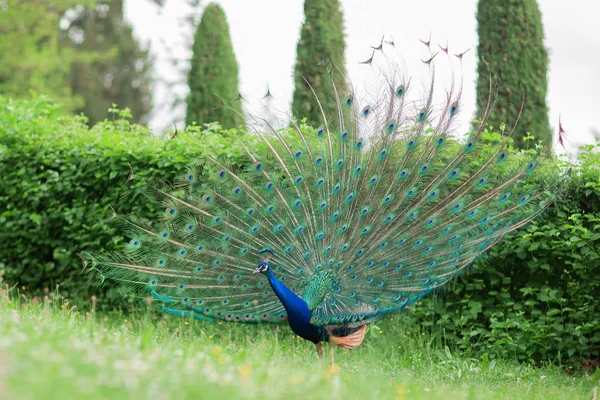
{"type": "Point", "coordinates": [48, 352]}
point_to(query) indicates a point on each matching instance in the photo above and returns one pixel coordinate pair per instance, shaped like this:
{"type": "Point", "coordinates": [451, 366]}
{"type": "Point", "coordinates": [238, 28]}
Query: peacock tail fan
{"type": "Point", "coordinates": [381, 203]}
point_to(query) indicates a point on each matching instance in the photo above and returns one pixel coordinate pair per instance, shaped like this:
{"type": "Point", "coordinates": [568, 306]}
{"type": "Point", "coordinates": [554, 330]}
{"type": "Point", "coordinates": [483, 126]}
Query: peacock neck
{"type": "Point", "coordinates": [293, 304]}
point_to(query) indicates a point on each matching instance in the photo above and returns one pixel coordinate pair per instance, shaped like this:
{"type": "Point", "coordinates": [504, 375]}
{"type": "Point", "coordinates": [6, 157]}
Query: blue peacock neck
{"type": "Point", "coordinates": [296, 308]}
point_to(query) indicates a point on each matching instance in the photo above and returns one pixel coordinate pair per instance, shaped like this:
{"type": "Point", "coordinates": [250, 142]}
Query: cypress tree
{"type": "Point", "coordinates": [321, 47]}
{"type": "Point", "coordinates": [511, 41]}
{"type": "Point", "coordinates": [213, 72]}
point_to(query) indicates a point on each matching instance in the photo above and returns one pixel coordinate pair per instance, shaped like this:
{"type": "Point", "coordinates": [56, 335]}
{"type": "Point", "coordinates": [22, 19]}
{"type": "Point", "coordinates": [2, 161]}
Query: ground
{"type": "Point", "coordinates": [58, 352]}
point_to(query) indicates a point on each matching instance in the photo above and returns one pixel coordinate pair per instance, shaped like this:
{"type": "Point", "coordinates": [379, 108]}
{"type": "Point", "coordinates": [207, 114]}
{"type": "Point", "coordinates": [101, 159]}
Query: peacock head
{"type": "Point", "coordinates": [263, 266]}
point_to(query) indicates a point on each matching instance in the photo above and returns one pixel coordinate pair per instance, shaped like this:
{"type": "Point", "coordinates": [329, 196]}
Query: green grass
{"type": "Point", "coordinates": [48, 351]}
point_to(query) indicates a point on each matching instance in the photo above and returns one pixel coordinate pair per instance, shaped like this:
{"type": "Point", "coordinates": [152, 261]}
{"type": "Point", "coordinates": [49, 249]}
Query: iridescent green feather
{"type": "Point", "coordinates": [319, 286]}
{"type": "Point", "coordinates": [366, 214]}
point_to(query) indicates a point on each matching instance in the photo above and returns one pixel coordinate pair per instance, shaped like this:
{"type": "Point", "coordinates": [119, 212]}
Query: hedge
{"type": "Point", "coordinates": [62, 180]}
{"type": "Point", "coordinates": [535, 297]}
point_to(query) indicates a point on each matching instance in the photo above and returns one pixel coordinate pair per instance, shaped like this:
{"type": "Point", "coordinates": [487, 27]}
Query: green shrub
{"type": "Point", "coordinates": [536, 296]}
{"type": "Point", "coordinates": [60, 180]}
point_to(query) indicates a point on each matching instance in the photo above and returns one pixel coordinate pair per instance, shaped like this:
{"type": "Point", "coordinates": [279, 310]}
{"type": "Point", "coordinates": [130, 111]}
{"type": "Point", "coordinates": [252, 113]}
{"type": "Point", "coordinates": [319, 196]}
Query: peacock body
{"type": "Point", "coordinates": [331, 228]}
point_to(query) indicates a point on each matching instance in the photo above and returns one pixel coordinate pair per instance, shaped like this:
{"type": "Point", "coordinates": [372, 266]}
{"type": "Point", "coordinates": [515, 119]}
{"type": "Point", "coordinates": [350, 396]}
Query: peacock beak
{"type": "Point", "coordinates": [256, 271]}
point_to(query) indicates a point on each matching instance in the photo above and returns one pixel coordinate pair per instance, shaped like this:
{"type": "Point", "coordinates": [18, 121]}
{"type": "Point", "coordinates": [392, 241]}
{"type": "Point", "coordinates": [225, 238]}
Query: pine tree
{"type": "Point", "coordinates": [213, 73]}
{"type": "Point", "coordinates": [511, 41]}
{"type": "Point", "coordinates": [320, 51]}
{"type": "Point", "coordinates": [112, 67]}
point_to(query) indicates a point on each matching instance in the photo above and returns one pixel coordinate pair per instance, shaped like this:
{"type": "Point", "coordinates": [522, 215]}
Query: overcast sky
{"type": "Point", "coordinates": [265, 32]}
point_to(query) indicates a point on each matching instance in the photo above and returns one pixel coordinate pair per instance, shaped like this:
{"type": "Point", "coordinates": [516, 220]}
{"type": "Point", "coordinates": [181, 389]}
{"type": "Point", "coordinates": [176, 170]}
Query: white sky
{"type": "Point", "coordinates": [265, 33]}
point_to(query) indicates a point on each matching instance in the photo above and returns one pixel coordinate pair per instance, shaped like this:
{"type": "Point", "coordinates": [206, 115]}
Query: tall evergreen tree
{"type": "Point", "coordinates": [511, 41]}
{"type": "Point", "coordinates": [113, 68]}
{"type": "Point", "coordinates": [213, 73]}
{"type": "Point", "coordinates": [320, 50]}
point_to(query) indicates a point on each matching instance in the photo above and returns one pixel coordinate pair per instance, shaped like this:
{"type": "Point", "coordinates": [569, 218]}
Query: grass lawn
{"type": "Point", "coordinates": [53, 352]}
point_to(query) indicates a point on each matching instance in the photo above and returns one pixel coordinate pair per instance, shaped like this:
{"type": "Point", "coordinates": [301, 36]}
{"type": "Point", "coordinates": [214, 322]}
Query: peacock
{"type": "Point", "coordinates": [333, 227]}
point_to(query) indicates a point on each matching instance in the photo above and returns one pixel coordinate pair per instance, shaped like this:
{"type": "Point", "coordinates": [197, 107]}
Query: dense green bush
{"type": "Point", "coordinates": [60, 180]}
{"type": "Point", "coordinates": [536, 297]}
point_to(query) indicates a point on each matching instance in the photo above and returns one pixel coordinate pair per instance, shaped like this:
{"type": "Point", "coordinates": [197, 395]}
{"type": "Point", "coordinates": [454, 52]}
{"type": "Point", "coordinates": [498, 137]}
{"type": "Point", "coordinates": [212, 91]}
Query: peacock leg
{"type": "Point", "coordinates": [331, 353]}
{"type": "Point", "coordinates": [319, 349]}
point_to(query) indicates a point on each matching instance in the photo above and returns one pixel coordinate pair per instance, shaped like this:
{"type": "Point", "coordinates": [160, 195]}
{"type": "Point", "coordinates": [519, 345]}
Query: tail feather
{"type": "Point", "coordinates": [382, 196]}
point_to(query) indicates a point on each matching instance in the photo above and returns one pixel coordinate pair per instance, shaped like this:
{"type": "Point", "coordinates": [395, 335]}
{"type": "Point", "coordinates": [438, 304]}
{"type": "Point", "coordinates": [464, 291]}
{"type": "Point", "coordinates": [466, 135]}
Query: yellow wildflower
{"type": "Point", "coordinates": [245, 372]}
{"type": "Point", "coordinates": [400, 392]}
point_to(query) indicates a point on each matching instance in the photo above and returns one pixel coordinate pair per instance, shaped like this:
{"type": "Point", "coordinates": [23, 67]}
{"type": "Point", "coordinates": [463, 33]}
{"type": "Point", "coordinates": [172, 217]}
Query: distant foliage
{"type": "Point", "coordinates": [112, 68]}
{"type": "Point", "coordinates": [321, 38]}
{"type": "Point", "coordinates": [213, 74]}
{"type": "Point", "coordinates": [30, 55]}
{"type": "Point", "coordinates": [511, 42]}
